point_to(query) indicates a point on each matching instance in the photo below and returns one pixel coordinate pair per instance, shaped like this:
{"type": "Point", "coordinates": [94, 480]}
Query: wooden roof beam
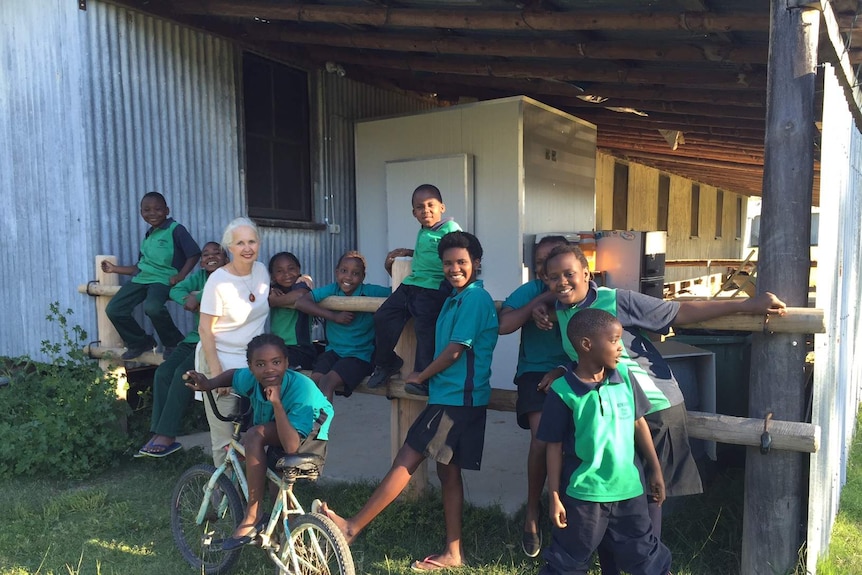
{"type": "Point", "coordinates": [513, 48]}
{"type": "Point", "coordinates": [832, 47]}
{"type": "Point", "coordinates": [454, 19]}
{"type": "Point", "coordinates": [574, 72]}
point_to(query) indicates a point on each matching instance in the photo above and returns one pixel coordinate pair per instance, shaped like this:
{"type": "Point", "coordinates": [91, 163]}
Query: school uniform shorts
{"type": "Point", "coordinates": [450, 434]}
{"type": "Point", "coordinates": [351, 370]}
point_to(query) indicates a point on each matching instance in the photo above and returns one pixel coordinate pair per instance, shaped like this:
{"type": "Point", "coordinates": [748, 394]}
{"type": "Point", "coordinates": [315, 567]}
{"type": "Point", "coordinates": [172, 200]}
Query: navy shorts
{"type": "Point", "coordinates": [450, 434]}
{"type": "Point", "coordinates": [351, 370]}
{"type": "Point", "coordinates": [626, 529]}
{"type": "Point", "coordinates": [530, 399]}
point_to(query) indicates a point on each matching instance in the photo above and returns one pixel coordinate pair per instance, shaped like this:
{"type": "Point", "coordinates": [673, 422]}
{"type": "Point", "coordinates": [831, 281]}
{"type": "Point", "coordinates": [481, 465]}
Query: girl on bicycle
{"type": "Point", "coordinates": [286, 405]}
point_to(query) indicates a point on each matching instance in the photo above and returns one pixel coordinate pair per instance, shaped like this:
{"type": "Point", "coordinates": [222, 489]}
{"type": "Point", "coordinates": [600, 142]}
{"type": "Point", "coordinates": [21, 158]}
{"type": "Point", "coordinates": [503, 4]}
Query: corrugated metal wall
{"type": "Point", "coordinates": [98, 107]}
{"type": "Point", "coordinates": [44, 180]}
{"type": "Point", "coordinates": [163, 117]}
{"type": "Point", "coordinates": [837, 366]}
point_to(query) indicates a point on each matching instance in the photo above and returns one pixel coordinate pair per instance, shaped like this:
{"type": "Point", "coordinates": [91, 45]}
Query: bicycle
{"type": "Point", "coordinates": [206, 508]}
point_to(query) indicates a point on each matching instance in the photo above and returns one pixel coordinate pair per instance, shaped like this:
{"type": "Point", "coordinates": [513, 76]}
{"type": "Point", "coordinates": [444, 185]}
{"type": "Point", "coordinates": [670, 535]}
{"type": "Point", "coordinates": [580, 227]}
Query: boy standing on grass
{"type": "Point", "coordinates": [451, 429]}
{"type": "Point", "coordinates": [592, 420]}
{"type": "Point", "coordinates": [420, 295]}
{"type": "Point", "coordinates": [168, 254]}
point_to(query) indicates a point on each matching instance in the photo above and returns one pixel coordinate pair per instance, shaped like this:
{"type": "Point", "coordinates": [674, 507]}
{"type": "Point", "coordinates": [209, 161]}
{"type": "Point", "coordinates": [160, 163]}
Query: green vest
{"type": "Point", "coordinates": [606, 299]}
{"type": "Point", "coordinates": [604, 441]}
{"type": "Point", "coordinates": [157, 256]}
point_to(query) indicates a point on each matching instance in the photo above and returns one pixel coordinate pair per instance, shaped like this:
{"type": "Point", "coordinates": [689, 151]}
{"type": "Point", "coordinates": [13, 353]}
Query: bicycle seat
{"type": "Point", "coordinates": [300, 465]}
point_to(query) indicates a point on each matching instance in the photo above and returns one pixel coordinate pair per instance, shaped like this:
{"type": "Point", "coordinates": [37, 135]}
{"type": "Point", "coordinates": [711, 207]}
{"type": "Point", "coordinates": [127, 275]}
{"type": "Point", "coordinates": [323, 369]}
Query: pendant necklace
{"type": "Point", "coordinates": [251, 297]}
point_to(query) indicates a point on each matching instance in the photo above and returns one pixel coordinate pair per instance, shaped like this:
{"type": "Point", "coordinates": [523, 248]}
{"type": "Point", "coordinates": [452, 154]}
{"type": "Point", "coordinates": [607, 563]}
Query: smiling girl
{"type": "Point", "coordinates": [349, 335]}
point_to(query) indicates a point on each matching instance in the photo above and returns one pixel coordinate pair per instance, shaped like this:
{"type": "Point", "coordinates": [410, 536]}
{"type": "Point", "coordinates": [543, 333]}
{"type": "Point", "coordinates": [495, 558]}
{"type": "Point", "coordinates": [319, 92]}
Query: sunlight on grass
{"type": "Point", "coordinates": [845, 547]}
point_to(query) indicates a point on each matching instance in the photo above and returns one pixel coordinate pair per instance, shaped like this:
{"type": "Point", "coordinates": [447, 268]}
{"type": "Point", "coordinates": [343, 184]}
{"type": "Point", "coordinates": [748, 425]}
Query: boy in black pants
{"type": "Point", "coordinates": [420, 295]}
{"type": "Point", "coordinates": [593, 420]}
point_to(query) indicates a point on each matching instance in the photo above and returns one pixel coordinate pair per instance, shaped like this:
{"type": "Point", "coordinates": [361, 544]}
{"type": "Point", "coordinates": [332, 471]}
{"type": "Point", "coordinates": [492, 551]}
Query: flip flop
{"type": "Point", "coordinates": [430, 564]}
{"type": "Point", "coordinates": [160, 450]}
{"type": "Point", "coordinates": [144, 451]}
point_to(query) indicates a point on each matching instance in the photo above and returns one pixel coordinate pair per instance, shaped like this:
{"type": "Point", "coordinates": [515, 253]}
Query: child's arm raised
{"type": "Point", "coordinates": [279, 298]}
{"type": "Point", "coordinates": [287, 434]}
{"type": "Point", "coordinates": [307, 305]}
{"type": "Point", "coordinates": [554, 461]}
{"type": "Point", "coordinates": [695, 311]}
{"type": "Point", "coordinates": [187, 267]}
{"type": "Point", "coordinates": [111, 268]}
{"type": "Point", "coordinates": [512, 319]}
{"type": "Point", "coordinates": [655, 479]}
{"type": "Point", "coordinates": [199, 382]}
{"type": "Point", "coordinates": [396, 253]}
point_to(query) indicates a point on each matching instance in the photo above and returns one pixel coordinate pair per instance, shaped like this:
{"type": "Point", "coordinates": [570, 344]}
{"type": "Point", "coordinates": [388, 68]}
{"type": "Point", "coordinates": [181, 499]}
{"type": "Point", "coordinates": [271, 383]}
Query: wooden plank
{"type": "Point", "coordinates": [454, 19]}
{"type": "Point", "coordinates": [786, 435]}
{"type": "Point", "coordinates": [796, 320]}
{"type": "Point", "coordinates": [106, 333]}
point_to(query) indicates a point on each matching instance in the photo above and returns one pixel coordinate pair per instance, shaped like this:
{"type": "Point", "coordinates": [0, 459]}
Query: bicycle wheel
{"type": "Point", "coordinates": [320, 547]}
{"type": "Point", "coordinates": [200, 545]}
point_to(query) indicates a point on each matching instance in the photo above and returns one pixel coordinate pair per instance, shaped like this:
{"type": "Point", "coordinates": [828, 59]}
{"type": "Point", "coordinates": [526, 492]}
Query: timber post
{"type": "Point", "coordinates": [775, 484]}
{"type": "Point", "coordinates": [405, 411]}
{"type": "Point", "coordinates": [106, 333]}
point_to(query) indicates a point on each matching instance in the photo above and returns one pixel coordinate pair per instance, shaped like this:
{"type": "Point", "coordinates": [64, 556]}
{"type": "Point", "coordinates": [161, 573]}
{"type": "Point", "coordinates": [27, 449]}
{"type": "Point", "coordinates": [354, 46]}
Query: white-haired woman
{"type": "Point", "coordinates": [234, 307]}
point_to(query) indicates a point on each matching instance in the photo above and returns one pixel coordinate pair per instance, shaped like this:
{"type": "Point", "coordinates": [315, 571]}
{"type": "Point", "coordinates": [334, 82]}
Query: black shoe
{"type": "Point", "coordinates": [169, 349]}
{"type": "Point", "coordinates": [135, 351]}
{"type": "Point", "coordinates": [382, 374]}
{"type": "Point", "coordinates": [531, 543]}
{"type": "Point", "coordinates": [417, 388]}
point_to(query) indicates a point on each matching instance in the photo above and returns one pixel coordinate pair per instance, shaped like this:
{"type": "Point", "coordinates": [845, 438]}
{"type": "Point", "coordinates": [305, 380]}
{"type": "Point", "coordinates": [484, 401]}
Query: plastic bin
{"type": "Point", "coordinates": [732, 364]}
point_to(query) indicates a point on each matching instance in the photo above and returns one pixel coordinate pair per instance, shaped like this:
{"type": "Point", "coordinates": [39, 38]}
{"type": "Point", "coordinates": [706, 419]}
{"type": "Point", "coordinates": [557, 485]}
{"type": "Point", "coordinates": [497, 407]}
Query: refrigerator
{"type": "Point", "coordinates": [632, 260]}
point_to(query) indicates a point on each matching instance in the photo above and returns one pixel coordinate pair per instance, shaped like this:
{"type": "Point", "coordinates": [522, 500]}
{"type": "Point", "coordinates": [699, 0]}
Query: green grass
{"type": "Point", "coordinates": [119, 524]}
{"type": "Point", "coordinates": [845, 548]}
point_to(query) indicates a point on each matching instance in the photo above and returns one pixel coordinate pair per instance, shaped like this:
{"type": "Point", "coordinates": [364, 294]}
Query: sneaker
{"type": "Point", "coordinates": [135, 351]}
{"type": "Point", "coordinates": [417, 388]}
{"type": "Point", "coordinates": [382, 374]}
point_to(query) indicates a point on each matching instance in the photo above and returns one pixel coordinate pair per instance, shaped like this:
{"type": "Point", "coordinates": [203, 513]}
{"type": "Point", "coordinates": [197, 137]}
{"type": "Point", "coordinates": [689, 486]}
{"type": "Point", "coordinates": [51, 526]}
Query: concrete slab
{"type": "Point", "coordinates": [359, 449]}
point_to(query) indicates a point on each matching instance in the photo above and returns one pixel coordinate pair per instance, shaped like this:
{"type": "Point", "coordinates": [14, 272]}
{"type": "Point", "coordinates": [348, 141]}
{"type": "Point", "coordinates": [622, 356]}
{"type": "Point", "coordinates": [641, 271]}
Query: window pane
{"type": "Point", "coordinates": [257, 95]}
{"type": "Point", "coordinates": [258, 165]}
{"type": "Point", "coordinates": [621, 197]}
{"type": "Point", "coordinates": [663, 201]}
{"type": "Point", "coordinates": [719, 212]}
{"type": "Point", "coordinates": [695, 210]}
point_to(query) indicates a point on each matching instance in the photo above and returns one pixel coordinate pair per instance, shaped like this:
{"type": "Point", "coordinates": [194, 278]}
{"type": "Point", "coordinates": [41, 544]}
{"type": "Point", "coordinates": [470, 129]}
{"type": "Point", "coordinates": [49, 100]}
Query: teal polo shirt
{"type": "Point", "coordinates": [355, 339]}
{"type": "Point", "coordinates": [194, 282]}
{"type": "Point", "coordinates": [164, 252]}
{"type": "Point", "coordinates": [540, 350]}
{"type": "Point", "coordinates": [426, 270]}
{"type": "Point", "coordinates": [303, 402]}
{"type": "Point", "coordinates": [595, 423]}
{"type": "Point", "coordinates": [289, 324]}
{"type": "Point", "coordinates": [468, 318]}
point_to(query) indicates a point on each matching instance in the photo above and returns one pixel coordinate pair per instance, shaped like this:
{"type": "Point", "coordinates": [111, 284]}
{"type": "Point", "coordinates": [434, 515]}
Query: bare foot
{"type": "Point", "coordinates": [340, 522]}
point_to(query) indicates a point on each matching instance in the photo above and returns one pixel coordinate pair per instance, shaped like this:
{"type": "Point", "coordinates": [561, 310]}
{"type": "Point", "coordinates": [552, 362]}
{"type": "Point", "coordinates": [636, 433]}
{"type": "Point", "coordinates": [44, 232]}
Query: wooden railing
{"type": "Point", "coordinates": [786, 435]}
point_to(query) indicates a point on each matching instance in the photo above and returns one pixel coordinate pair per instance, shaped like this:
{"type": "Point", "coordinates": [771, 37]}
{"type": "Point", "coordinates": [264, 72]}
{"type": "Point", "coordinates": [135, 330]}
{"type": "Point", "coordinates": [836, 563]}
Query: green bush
{"type": "Point", "coordinates": [61, 418]}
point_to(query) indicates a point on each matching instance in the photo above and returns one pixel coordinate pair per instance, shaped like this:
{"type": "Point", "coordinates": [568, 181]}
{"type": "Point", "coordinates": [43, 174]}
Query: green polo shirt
{"type": "Point", "coordinates": [355, 339]}
{"type": "Point", "coordinates": [164, 252]}
{"type": "Point", "coordinates": [540, 350]}
{"type": "Point", "coordinates": [468, 318]}
{"type": "Point", "coordinates": [289, 324]}
{"type": "Point", "coordinates": [426, 270]}
{"type": "Point", "coordinates": [194, 282]}
{"type": "Point", "coordinates": [596, 425]}
{"type": "Point", "coordinates": [635, 312]}
{"type": "Point", "coordinates": [303, 402]}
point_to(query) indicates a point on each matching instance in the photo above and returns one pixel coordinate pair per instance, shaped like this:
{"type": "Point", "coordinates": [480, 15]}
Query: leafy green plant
{"type": "Point", "coordinates": [62, 417]}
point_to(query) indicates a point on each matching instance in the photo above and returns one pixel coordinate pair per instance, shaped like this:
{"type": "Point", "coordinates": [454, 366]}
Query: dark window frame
{"type": "Point", "coordinates": [620, 213]}
{"type": "Point", "coordinates": [276, 140]}
{"type": "Point", "coordinates": [719, 213]}
{"type": "Point", "coordinates": [694, 222]}
{"type": "Point", "coordinates": [739, 218]}
{"type": "Point", "coordinates": [663, 207]}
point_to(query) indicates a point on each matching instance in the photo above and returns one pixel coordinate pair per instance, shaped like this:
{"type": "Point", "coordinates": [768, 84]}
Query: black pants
{"type": "Point", "coordinates": [423, 305]}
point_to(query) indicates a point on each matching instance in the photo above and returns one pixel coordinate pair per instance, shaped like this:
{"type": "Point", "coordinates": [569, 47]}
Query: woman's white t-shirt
{"type": "Point", "coordinates": [226, 296]}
